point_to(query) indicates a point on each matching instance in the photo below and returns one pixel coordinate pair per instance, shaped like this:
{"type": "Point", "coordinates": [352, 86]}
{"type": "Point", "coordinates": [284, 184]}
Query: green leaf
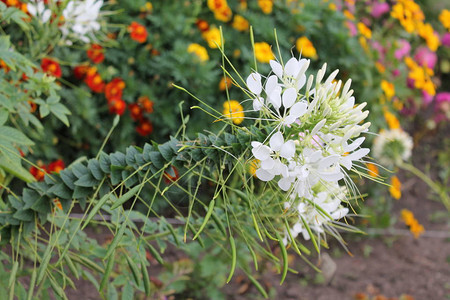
{"type": "Point", "coordinates": [14, 136]}
{"type": "Point", "coordinates": [61, 112]}
{"type": "Point", "coordinates": [125, 197]}
{"type": "Point", "coordinates": [3, 116]}
{"type": "Point", "coordinates": [16, 169]}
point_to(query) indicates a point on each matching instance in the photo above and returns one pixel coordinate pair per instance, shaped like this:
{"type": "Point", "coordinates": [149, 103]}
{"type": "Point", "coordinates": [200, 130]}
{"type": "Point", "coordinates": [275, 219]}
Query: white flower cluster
{"type": "Point", "coordinates": [391, 147]}
{"type": "Point", "coordinates": [79, 18]}
{"type": "Point", "coordinates": [314, 142]}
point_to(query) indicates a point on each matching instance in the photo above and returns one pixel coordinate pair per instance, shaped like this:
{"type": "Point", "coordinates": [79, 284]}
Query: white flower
{"type": "Point", "coordinates": [37, 9]}
{"type": "Point", "coordinates": [80, 19]}
{"type": "Point", "coordinates": [391, 147]}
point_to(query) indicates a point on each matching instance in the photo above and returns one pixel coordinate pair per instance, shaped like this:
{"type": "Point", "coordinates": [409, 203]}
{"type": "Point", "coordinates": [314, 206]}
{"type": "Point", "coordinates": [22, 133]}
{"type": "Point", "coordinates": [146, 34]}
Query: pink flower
{"type": "Point", "coordinates": [425, 57]}
{"type": "Point", "coordinates": [445, 40]}
{"type": "Point", "coordinates": [351, 27]}
{"type": "Point", "coordinates": [403, 50]}
{"type": "Point", "coordinates": [427, 98]}
{"type": "Point", "coordinates": [443, 97]}
{"type": "Point", "coordinates": [379, 8]}
{"type": "Point", "coordinates": [381, 50]}
{"type": "Point", "coordinates": [396, 72]}
{"type": "Point", "coordinates": [442, 108]}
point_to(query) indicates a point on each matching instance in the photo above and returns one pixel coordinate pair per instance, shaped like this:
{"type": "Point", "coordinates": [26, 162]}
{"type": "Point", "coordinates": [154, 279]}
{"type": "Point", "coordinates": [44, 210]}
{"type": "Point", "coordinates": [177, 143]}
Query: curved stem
{"type": "Point", "coordinates": [434, 186]}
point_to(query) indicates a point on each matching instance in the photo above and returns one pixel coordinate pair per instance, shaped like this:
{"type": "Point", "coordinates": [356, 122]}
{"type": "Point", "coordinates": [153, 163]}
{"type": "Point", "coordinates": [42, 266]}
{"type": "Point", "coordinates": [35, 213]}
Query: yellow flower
{"type": "Point", "coordinates": [240, 23]}
{"type": "Point", "coordinates": [148, 7]}
{"type": "Point", "coordinates": [253, 165]}
{"type": "Point", "coordinates": [396, 188]}
{"type": "Point", "coordinates": [212, 36]}
{"type": "Point", "coordinates": [305, 47]}
{"type": "Point", "coordinates": [431, 38]}
{"type": "Point", "coordinates": [263, 53]}
{"type": "Point", "coordinates": [199, 51]}
{"type": "Point", "coordinates": [408, 218]}
{"type": "Point", "coordinates": [373, 170]}
{"type": "Point", "coordinates": [391, 120]}
{"type": "Point", "coordinates": [380, 67]}
{"type": "Point", "coordinates": [225, 83]}
{"type": "Point", "coordinates": [364, 30]}
{"type": "Point", "coordinates": [332, 6]}
{"type": "Point", "coordinates": [266, 6]}
{"type": "Point", "coordinates": [348, 14]}
{"type": "Point", "coordinates": [221, 10]}
{"type": "Point", "coordinates": [444, 17]}
{"type": "Point", "coordinates": [388, 89]}
{"type": "Point", "coordinates": [416, 229]}
{"type": "Point", "coordinates": [363, 43]}
{"type": "Point", "coordinates": [421, 76]}
{"type": "Point", "coordinates": [409, 14]}
{"type": "Point", "coordinates": [233, 110]}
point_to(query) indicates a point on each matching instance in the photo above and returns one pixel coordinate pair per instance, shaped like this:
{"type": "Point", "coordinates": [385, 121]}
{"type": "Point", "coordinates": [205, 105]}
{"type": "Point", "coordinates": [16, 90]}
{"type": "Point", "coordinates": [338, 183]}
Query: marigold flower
{"type": "Point", "coordinates": [430, 36]}
{"type": "Point", "coordinates": [348, 14]}
{"type": "Point", "coordinates": [263, 52]}
{"type": "Point", "coordinates": [114, 89]}
{"type": "Point", "coordinates": [56, 166]}
{"type": "Point", "coordinates": [94, 81]}
{"type": "Point", "coordinates": [225, 83]}
{"type": "Point", "coordinates": [306, 47]}
{"type": "Point", "coordinates": [96, 53]}
{"type": "Point", "coordinates": [266, 6]}
{"type": "Point", "coordinates": [408, 218]}
{"type": "Point", "coordinates": [199, 51]}
{"type": "Point", "coordinates": [380, 67]}
{"type": "Point", "coordinates": [391, 119]}
{"type": "Point", "coordinates": [38, 171]}
{"type": "Point", "coordinates": [171, 176]}
{"type": "Point", "coordinates": [202, 25]}
{"type": "Point", "coordinates": [396, 188]}
{"type": "Point", "coordinates": [444, 17]}
{"type": "Point", "coordinates": [117, 106]}
{"type": "Point", "coordinates": [233, 110]}
{"type": "Point", "coordinates": [240, 23]}
{"type": "Point", "coordinates": [135, 111]}
{"type": "Point", "coordinates": [421, 76]}
{"type": "Point", "coordinates": [146, 104]}
{"type": "Point", "coordinates": [51, 67]}
{"type": "Point", "coordinates": [388, 88]}
{"type": "Point", "coordinates": [145, 127]}
{"type": "Point", "coordinates": [80, 71]}
{"type": "Point", "coordinates": [4, 66]}
{"type": "Point", "coordinates": [253, 165]}
{"type": "Point", "coordinates": [57, 203]}
{"type": "Point", "coordinates": [213, 37]}
{"type": "Point", "coordinates": [221, 10]}
{"type": "Point", "coordinates": [409, 14]}
{"type": "Point", "coordinates": [138, 32]}
{"type": "Point", "coordinates": [364, 30]}
{"type": "Point", "coordinates": [373, 170]}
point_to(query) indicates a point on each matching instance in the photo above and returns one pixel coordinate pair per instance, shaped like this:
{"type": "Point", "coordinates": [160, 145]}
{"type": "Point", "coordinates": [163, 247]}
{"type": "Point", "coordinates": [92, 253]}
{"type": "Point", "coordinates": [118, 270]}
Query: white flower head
{"type": "Point", "coordinates": [391, 147]}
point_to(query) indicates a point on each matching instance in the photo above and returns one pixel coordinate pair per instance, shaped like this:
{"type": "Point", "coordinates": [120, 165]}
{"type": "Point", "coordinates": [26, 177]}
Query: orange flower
{"type": "Point", "coordinates": [145, 127]}
{"type": "Point", "coordinates": [146, 104]}
{"type": "Point", "coordinates": [4, 66]}
{"type": "Point", "coordinates": [138, 32]}
{"type": "Point", "coordinates": [391, 119]}
{"type": "Point", "coordinates": [56, 166]}
{"type": "Point", "coordinates": [263, 52]}
{"type": "Point", "coordinates": [373, 170]}
{"type": "Point", "coordinates": [114, 89]}
{"type": "Point", "coordinates": [168, 178]}
{"type": "Point", "coordinates": [225, 83]}
{"type": "Point", "coordinates": [51, 67]}
{"type": "Point", "coordinates": [57, 203]}
{"type": "Point", "coordinates": [202, 25]}
{"type": "Point", "coordinates": [94, 81]}
{"type": "Point", "coordinates": [135, 111]}
{"type": "Point", "coordinates": [117, 106]}
{"type": "Point", "coordinates": [396, 188]}
{"type": "Point", "coordinates": [240, 23]}
{"type": "Point", "coordinates": [80, 71]}
{"type": "Point", "coordinates": [39, 171]}
{"type": "Point", "coordinates": [96, 53]}
{"type": "Point", "coordinates": [266, 6]}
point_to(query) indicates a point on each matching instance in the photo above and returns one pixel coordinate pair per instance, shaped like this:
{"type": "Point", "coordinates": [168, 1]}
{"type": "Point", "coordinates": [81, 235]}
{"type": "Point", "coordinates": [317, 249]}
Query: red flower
{"type": "Point", "coordinates": [171, 178]}
{"type": "Point", "coordinates": [135, 111]}
{"type": "Point", "coordinates": [202, 25]}
{"type": "Point", "coordinates": [39, 173]}
{"type": "Point", "coordinates": [145, 127]}
{"type": "Point", "coordinates": [117, 106]}
{"type": "Point", "coordinates": [114, 89]}
{"type": "Point", "coordinates": [138, 32]}
{"type": "Point", "coordinates": [80, 71]}
{"type": "Point", "coordinates": [146, 104]}
{"type": "Point", "coordinates": [96, 53]}
{"type": "Point", "coordinates": [94, 81]}
{"type": "Point", "coordinates": [51, 67]}
{"type": "Point", "coordinates": [56, 166]}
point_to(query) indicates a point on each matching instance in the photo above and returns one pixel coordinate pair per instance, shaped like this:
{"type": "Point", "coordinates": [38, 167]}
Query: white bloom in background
{"type": "Point", "coordinates": [37, 9]}
{"type": "Point", "coordinates": [81, 19]}
{"type": "Point", "coordinates": [391, 147]}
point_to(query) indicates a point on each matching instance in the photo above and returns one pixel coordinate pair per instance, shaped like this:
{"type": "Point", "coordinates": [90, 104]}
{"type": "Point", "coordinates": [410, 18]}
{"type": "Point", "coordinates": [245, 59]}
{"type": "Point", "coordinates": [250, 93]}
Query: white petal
{"type": "Point", "coordinates": [318, 127]}
{"type": "Point", "coordinates": [328, 161]}
{"type": "Point", "coordinates": [289, 97]}
{"type": "Point", "coordinates": [298, 109]}
{"type": "Point", "coordinates": [264, 175]}
{"type": "Point", "coordinates": [46, 16]}
{"type": "Point", "coordinates": [340, 213]}
{"type": "Point", "coordinates": [331, 177]}
{"type": "Point", "coordinates": [354, 145]}
{"type": "Point", "coordinates": [288, 149]}
{"type": "Point", "coordinates": [254, 83]}
{"type": "Point", "coordinates": [346, 162]}
{"type": "Point", "coordinates": [276, 141]}
{"type": "Point", "coordinates": [276, 68]}
{"type": "Point", "coordinates": [261, 152]}
{"type": "Point", "coordinates": [275, 97]}
{"type": "Point", "coordinates": [32, 9]}
{"type": "Point", "coordinates": [268, 164]}
{"type": "Point", "coordinates": [359, 154]}
{"type": "Point", "coordinates": [271, 84]}
{"type": "Point", "coordinates": [301, 82]}
{"type": "Point", "coordinates": [285, 184]}
{"type": "Point", "coordinates": [258, 103]}
{"type": "Point", "coordinates": [292, 67]}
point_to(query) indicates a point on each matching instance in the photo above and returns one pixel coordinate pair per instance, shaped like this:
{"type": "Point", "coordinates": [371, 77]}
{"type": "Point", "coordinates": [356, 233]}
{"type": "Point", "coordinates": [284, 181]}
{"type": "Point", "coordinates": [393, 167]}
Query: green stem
{"type": "Point", "coordinates": [434, 186]}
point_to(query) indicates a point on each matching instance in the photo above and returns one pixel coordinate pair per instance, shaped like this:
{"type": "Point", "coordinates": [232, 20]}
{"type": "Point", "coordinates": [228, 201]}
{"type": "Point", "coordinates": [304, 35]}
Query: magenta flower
{"type": "Point", "coordinates": [352, 28]}
{"type": "Point", "coordinates": [427, 98]}
{"type": "Point", "coordinates": [425, 57]}
{"type": "Point", "coordinates": [403, 50]}
{"type": "Point", "coordinates": [445, 40]}
{"type": "Point", "coordinates": [379, 9]}
{"type": "Point", "coordinates": [442, 108]}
